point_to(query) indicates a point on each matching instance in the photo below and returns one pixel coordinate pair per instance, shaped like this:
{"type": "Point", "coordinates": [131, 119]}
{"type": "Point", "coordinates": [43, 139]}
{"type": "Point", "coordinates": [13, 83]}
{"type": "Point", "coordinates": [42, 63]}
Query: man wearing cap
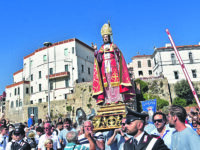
{"type": "Point", "coordinates": [19, 143]}
{"type": "Point", "coordinates": [31, 121]}
{"type": "Point", "coordinates": [135, 123]}
{"type": "Point", "coordinates": [3, 137]}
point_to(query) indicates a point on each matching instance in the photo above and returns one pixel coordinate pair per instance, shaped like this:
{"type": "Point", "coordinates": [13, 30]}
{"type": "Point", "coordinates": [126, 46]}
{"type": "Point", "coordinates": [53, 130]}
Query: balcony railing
{"type": "Point", "coordinates": [58, 75]}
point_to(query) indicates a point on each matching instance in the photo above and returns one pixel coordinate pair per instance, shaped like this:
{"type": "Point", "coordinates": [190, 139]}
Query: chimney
{"type": "Point", "coordinates": [168, 45]}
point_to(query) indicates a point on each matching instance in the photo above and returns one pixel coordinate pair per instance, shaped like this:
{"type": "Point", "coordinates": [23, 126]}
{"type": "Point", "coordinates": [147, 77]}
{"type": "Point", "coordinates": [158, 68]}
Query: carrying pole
{"type": "Point", "coordinates": [183, 68]}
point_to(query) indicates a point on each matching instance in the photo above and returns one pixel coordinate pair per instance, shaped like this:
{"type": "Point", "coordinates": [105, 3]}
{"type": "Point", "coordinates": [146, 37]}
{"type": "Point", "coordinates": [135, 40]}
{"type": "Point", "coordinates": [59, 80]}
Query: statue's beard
{"type": "Point", "coordinates": [107, 41]}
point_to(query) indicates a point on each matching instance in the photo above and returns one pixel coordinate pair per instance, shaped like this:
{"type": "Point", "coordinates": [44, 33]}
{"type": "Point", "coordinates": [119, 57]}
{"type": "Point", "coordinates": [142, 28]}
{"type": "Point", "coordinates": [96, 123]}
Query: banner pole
{"type": "Point", "coordinates": [183, 68]}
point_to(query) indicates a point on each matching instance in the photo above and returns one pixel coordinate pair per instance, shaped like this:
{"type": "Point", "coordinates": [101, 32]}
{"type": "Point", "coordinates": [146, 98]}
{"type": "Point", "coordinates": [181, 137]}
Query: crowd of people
{"type": "Point", "coordinates": [176, 130]}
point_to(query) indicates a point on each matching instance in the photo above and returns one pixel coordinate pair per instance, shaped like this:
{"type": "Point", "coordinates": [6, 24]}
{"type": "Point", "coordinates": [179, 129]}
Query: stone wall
{"type": "Point", "coordinates": [160, 88]}
{"type": "Point", "coordinates": [82, 97]}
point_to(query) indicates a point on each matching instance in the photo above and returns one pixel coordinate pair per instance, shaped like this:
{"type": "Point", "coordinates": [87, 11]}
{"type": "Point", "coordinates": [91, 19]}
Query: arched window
{"type": "Point", "coordinates": [190, 57]}
{"type": "Point", "coordinates": [173, 58]}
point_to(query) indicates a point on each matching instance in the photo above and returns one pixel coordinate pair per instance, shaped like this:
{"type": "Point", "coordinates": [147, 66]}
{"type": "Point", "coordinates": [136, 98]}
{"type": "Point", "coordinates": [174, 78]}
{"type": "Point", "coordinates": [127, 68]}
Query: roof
{"type": "Point", "coordinates": [18, 83]}
{"type": "Point", "coordinates": [17, 72]}
{"type": "Point", "coordinates": [59, 43]}
{"type": "Point", "coordinates": [139, 56]}
{"type": "Point", "coordinates": [185, 46]}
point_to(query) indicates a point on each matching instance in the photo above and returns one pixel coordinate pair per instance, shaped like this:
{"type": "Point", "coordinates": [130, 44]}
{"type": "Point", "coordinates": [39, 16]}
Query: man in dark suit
{"type": "Point", "coordinates": [141, 140]}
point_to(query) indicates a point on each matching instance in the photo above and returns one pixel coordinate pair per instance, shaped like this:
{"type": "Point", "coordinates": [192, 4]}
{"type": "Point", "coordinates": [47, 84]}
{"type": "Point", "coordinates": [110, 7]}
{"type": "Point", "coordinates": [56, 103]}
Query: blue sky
{"type": "Point", "coordinates": [138, 26]}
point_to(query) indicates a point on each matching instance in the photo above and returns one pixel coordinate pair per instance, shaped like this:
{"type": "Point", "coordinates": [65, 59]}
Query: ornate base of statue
{"type": "Point", "coordinates": [109, 117]}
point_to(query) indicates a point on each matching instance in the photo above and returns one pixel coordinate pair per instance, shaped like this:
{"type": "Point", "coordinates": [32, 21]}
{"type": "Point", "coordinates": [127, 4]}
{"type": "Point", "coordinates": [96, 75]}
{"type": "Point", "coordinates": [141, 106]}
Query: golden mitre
{"type": "Point", "coordinates": [106, 29]}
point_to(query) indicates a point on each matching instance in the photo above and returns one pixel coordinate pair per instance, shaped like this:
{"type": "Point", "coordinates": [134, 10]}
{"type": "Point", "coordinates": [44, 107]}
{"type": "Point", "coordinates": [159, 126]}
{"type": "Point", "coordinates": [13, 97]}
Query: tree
{"type": "Point", "coordinates": [182, 90]}
{"type": "Point", "coordinates": [179, 101]}
{"type": "Point", "coordinates": [143, 85]}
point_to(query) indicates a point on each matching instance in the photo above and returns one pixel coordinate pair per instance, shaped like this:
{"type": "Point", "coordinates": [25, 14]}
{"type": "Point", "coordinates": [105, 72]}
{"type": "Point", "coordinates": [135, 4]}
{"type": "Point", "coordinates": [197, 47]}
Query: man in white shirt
{"type": "Point", "coordinates": [3, 137]}
{"type": "Point", "coordinates": [48, 135]}
{"type": "Point", "coordinates": [163, 131]}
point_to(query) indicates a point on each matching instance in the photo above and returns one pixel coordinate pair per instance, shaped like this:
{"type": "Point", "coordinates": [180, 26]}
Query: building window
{"type": "Point", "coordinates": [12, 104]}
{"type": "Point", "coordinates": [40, 74]}
{"type": "Point", "coordinates": [20, 103]}
{"type": "Point", "coordinates": [65, 96]}
{"type": "Point", "coordinates": [27, 90]}
{"type": "Point", "coordinates": [173, 59]}
{"type": "Point", "coordinates": [66, 51]}
{"type": "Point", "coordinates": [67, 82]}
{"type": "Point", "coordinates": [44, 57]}
{"type": "Point", "coordinates": [190, 57]}
{"type": "Point", "coordinates": [66, 68]}
{"type": "Point", "coordinates": [51, 85]}
{"type": "Point", "coordinates": [155, 61]}
{"type": "Point", "coordinates": [31, 63]}
{"type": "Point", "coordinates": [40, 100]}
{"type": "Point", "coordinates": [15, 91]}
{"type": "Point", "coordinates": [31, 102]}
{"type": "Point", "coordinates": [31, 77]}
{"type": "Point", "coordinates": [140, 73]}
{"type": "Point", "coordinates": [88, 70]}
{"type": "Point", "coordinates": [72, 50]}
{"type": "Point", "coordinates": [149, 63]}
{"type": "Point", "coordinates": [139, 64]}
{"type": "Point", "coordinates": [31, 90]}
{"type": "Point", "coordinates": [40, 87]}
{"type": "Point", "coordinates": [176, 75]}
{"type": "Point", "coordinates": [150, 72]}
{"type": "Point", "coordinates": [17, 103]}
{"type": "Point", "coordinates": [194, 74]}
{"type": "Point", "coordinates": [50, 70]}
{"type": "Point", "coordinates": [82, 68]}
{"type": "Point", "coordinates": [18, 90]}
{"type": "Point", "coordinates": [83, 80]}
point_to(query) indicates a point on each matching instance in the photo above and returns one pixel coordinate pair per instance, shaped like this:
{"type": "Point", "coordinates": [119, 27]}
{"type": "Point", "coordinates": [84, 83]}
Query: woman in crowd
{"type": "Point", "coordinates": [48, 144]}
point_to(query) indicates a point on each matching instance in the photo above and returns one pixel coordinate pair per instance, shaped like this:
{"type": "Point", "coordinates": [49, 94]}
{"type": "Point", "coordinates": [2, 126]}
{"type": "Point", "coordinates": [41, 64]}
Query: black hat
{"type": "Point", "coordinates": [19, 131]}
{"type": "Point", "coordinates": [133, 115]}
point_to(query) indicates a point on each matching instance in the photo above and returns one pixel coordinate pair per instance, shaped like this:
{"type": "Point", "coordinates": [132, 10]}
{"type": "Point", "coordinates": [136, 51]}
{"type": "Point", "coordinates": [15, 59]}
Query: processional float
{"type": "Point", "coordinates": [112, 87]}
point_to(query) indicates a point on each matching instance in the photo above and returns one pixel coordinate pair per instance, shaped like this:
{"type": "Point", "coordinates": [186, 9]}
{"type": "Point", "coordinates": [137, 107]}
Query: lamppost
{"type": "Point", "coordinates": [48, 44]}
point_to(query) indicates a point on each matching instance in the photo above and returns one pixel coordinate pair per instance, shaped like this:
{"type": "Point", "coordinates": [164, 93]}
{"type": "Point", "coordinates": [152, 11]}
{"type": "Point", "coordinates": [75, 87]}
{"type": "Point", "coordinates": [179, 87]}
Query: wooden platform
{"type": "Point", "coordinates": [109, 117]}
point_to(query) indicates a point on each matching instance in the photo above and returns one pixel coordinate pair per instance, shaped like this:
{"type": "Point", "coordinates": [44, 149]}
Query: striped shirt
{"type": "Point", "coordinates": [73, 146]}
{"type": "Point", "coordinates": [84, 141]}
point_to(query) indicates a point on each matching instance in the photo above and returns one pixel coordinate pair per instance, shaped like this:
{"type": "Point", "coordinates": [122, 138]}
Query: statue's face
{"type": "Point", "coordinates": [106, 39]}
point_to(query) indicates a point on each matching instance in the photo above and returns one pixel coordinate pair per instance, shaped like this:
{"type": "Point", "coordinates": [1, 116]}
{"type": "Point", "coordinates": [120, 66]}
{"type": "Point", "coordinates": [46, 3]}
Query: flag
{"type": "Point", "coordinates": [150, 107]}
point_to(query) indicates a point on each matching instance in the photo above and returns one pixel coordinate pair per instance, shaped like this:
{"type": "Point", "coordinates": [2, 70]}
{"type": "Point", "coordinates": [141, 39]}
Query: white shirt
{"type": "Point", "coordinates": [138, 138]}
{"type": "Point", "coordinates": [8, 146]}
{"type": "Point", "coordinates": [43, 138]}
{"type": "Point", "coordinates": [3, 142]}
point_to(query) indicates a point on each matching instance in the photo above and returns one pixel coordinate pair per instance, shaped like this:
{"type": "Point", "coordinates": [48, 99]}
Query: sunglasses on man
{"type": "Point", "coordinates": [157, 120]}
{"type": "Point", "coordinates": [123, 124]}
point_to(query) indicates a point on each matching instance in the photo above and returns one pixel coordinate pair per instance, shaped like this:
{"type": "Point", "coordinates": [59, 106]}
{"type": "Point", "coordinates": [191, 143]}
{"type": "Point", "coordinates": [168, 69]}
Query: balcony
{"type": "Point", "coordinates": [58, 75]}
